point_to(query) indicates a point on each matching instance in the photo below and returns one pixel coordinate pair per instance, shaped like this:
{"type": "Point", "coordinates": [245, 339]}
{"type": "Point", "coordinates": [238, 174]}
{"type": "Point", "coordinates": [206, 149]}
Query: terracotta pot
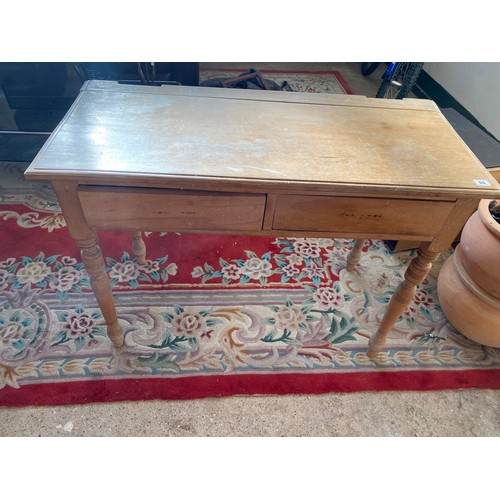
{"type": "Point", "coordinates": [472, 311]}
{"type": "Point", "coordinates": [480, 242]}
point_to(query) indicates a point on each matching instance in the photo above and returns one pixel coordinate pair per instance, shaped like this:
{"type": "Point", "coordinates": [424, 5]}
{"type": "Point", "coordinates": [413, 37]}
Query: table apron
{"type": "Point", "coordinates": [169, 209]}
{"type": "Point", "coordinates": [422, 218]}
{"type": "Point", "coordinates": [147, 209]}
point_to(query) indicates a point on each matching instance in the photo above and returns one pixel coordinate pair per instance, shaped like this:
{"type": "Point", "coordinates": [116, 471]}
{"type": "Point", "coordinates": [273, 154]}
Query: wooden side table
{"type": "Point", "coordinates": [209, 160]}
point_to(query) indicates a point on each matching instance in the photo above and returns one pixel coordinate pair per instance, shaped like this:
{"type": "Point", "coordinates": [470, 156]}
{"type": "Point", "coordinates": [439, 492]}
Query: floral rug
{"type": "Point", "coordinates": [210, 315]}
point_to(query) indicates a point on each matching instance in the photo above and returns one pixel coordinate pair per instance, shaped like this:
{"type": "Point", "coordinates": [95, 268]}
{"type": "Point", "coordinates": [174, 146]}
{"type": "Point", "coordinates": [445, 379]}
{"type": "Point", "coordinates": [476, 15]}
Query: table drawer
{"type": "Point", "coordinates": [168, 209]}
{"type": "Point", "coordinates": [360, 215]}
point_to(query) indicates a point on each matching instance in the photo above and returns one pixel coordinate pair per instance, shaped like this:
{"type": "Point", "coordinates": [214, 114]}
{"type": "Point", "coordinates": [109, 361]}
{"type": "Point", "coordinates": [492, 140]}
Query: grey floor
{"type": "Point", "coordinates": [440, 413]}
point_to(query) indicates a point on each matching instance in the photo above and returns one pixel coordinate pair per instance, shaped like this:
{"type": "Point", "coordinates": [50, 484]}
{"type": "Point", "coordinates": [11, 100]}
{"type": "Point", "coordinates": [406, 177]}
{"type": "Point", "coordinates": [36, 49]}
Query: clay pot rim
{"type": "Point", "coordinates": [488, 220]}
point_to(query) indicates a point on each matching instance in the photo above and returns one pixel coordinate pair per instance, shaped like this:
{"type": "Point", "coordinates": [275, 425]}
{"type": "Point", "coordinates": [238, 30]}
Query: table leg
{"type": "Point", "coordinates": [86, 238]}
{"type": "Point", "coordinates": [94, 264]}
{"type": "Point", "coordinates": [138, 247]}
{"type": "Point", "coordinates": [354, 255]}
{"type": "Point", "coordinates": [415, 274]}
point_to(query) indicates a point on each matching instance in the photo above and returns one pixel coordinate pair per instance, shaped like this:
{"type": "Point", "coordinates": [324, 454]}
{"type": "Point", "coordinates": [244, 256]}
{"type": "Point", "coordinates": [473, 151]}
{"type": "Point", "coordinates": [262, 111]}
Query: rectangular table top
{"type": "Point", "coordinates": [146, 134]}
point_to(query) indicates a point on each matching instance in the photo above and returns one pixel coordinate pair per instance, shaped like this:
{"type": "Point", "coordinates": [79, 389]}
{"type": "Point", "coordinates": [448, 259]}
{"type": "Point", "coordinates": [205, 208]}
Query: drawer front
{"type": "Point", "coordinates": [169, 209]}
{"type": "Point", "coordinates": [369, 216]}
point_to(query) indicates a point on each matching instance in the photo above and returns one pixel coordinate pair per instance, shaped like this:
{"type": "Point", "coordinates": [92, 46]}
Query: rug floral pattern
{"type": "Point", "coordinates": [271, 305]}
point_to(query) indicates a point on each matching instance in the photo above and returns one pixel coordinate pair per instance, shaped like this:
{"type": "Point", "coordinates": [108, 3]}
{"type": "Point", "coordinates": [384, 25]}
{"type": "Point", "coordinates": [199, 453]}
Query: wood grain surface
{"type": "Point", "coordinates": [365, 215]}
{"type": "Point", "coordinates": [196, 133]}
{"type": "Point", "coordinates": [167, 210]}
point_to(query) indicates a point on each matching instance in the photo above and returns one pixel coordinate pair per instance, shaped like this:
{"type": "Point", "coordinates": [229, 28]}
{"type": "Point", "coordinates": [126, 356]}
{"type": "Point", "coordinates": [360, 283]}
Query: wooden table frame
{"type": "Point", "coordinates": [280, 201]}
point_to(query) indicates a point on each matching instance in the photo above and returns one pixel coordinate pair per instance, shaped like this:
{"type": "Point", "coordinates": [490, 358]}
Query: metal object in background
{"type": "Point", "coordinates": [398, 79]}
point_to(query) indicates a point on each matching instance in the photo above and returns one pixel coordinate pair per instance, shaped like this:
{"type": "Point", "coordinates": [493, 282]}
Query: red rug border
{"type": "Point", "coordinates": [339, 77]}
{"type": "Point", "coordinates": [198, 387]}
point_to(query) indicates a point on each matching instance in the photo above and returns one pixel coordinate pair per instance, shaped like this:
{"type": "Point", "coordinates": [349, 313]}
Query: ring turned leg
{"type": "Point", "coordinates": [354, 255]}
{"type": "Point", "coordinates": [94, 264]}
{"type": "Point", "coordinates": [86, 238]}
{"type": "Point", "coordinates": [139, 247]}
{"type": "Point", "coordinates": [415, 274]}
